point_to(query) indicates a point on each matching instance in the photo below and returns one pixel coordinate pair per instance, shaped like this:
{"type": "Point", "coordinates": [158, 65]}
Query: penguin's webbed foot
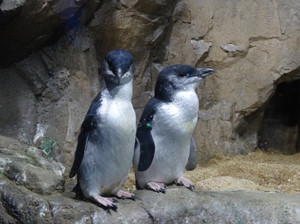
{"type": "Point", "coordinates": [125, 195]}
{"type": "Point", "coordinates": [106, 203]}
{"type": "Point", "coordinates": [182, 181]}
{"type": "Point", "coordinates": [157, 187]}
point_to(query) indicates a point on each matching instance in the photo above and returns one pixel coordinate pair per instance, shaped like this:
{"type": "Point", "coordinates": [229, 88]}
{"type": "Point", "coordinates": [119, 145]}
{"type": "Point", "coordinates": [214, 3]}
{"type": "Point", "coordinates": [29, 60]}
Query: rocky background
{"type": "Point", "coordinates": [51, 50]}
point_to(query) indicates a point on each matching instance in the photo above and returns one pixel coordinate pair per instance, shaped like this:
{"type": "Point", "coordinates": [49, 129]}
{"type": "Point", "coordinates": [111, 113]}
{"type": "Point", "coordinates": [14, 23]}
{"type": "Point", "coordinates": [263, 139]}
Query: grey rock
{"type": "Point", "coordinates": [249, 207]}
{"type": "Point", "coordinates": [200, 48]}
{"type": "Point", "coordinates": [17, 103]}
{"type": "Point", "coordinates": [36, 173]}
{"type": "Point", "coordinates": [10, 5]}
{"type": "Point", "coordinates": [22, 205]}
{"type": "Point", "coordinates": [35, 76]}
{"type": "Point", "coordinates": [65, 209]}
{"type": "Point", "coordinates": [30, 193]}
{"type": "Point", "coordinates": [30, 24]}
{"type": "Point", "coordinates": [34, 178]}
{"type": "Point", "coordinates": [6, 142]}
{"type": "Point", "coordinates": [222, 111]}
{"type": "Point", "coordinates": [234, 50]}
{"type": "Point", "coordinates": [178, 205]}
{"type": "Point", "coordinates": [49, 95]}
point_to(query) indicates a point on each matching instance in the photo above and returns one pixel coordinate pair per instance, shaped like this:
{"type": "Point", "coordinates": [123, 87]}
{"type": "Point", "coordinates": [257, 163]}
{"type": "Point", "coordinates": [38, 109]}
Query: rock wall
{"type": "Point", "coordinates": [252, 45]}
{"type": "Point", "coordinates": [51, 51]}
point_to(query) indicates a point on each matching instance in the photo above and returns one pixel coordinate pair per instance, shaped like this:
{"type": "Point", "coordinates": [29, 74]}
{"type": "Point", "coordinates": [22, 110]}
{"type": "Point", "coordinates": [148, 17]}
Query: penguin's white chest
{"type": "Point", "coordinates": [113, 153]}
{"type": "Point", "coordinates": [179, 116]}
{"type": "Point", "coordinates": [121, 116]}
{"type": "Point", "coordinates": [173, 126]}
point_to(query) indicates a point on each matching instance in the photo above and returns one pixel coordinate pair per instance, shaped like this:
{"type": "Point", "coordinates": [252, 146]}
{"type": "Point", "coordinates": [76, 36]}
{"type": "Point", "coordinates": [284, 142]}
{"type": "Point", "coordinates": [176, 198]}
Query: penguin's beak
{"type": "Point", "coordinates": [203, 72]}
{"type": "Point", "coordinates": [119, 75]}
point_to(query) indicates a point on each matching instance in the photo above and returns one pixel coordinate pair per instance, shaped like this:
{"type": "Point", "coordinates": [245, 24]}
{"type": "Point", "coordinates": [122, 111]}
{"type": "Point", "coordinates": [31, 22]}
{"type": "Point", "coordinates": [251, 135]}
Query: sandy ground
{"type": "Point", "coordinates": [260, 170]}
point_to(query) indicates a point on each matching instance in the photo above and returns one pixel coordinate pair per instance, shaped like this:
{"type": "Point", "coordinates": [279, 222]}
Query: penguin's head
{"type": "Point", "coordinates": [118, 67]}
{"type": "Point", "coordinates": [179, 78]}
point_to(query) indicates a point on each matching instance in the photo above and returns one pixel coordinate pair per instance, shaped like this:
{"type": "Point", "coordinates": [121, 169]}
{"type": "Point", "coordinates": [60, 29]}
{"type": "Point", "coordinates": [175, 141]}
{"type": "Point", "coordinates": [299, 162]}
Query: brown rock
{"type": "Point", "coordinates": [253, 47]}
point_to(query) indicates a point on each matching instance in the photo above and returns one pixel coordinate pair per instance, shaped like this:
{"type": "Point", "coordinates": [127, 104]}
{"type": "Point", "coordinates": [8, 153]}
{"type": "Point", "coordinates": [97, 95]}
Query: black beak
{"type": "Point", "coordinates": [119, 75]}
{"type": "Point", "coordinates": [203, 72]}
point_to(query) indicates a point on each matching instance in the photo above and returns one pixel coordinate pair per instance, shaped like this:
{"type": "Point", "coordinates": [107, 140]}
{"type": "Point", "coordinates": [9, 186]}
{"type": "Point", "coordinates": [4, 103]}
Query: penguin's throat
{"type": "Point", "coordinates": [187, 101]}
{"type": "Point", "coordinates": [122, 92]}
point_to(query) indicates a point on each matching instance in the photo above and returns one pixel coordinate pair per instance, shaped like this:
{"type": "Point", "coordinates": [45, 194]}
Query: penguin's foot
{"type": "Point", "coordinates": [125, 195]}
{"type": "Point", "coordinates": [182, 181]}
{"type": "Point", "coordinates": [157, 187]}
{"type": "Point", "coordinates": [107, 203]}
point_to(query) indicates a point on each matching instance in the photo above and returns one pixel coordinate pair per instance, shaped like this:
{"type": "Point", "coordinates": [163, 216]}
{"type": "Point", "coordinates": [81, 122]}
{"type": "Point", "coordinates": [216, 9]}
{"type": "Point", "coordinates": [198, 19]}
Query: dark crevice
{"type": "Point", "coordinates": [280, 127]}
{"type": "Point", "coordinates": [150, 215]}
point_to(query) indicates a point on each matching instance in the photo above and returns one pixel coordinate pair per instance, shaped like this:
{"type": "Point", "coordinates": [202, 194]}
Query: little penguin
{"type": "Point", "coordinates": [106, 141]}
{"type": "Point", "coordinates": [165, 146]}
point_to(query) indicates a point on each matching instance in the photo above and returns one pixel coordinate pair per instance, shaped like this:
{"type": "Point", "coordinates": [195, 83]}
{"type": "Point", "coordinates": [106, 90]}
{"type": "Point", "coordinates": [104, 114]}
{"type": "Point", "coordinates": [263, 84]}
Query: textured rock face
{"type": "Point", "coordinates": [30, 198]}
{"type": "Point", "coordinates": [29, 24]}
{"type": "Point", "coordinates": [53, 90]}
{"type": "Point", "coordinates": [140, 27]}
{"type": "Point", "coordinates": [52, 87]}
{"type": "Point", "coordinates": [253, 46]}
{"type": "Point", "coordinates": [30, 169]}
{"type": "Point", "coordinates": [51, 51]}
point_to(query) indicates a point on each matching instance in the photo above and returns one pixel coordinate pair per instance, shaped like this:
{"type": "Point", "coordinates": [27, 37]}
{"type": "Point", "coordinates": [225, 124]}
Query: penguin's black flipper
{"type": "Point", "coordinates": [147, 148]}
{"type": "Point", "coordinates": [192, 161]}
{"type": "Point", "coordinates": [144, 136]}
{"type": "Point", "coordinates": [87, 127]}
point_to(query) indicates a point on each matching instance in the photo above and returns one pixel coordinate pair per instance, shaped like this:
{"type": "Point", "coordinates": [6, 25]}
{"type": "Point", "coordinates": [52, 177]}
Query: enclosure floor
{"type": "Point", "coordinates": [260, 170]}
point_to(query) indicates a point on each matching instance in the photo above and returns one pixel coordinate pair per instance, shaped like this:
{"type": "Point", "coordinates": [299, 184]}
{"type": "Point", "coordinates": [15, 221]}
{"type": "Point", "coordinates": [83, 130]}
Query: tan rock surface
{"type": "Point", "coordinates": [254, 46]}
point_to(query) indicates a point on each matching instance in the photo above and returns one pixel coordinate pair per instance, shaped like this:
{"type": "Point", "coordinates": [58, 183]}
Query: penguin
{"type": "Point", "coordinates": [164, 142]}
{"type": "Point", "coordinates": [105, 145]}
